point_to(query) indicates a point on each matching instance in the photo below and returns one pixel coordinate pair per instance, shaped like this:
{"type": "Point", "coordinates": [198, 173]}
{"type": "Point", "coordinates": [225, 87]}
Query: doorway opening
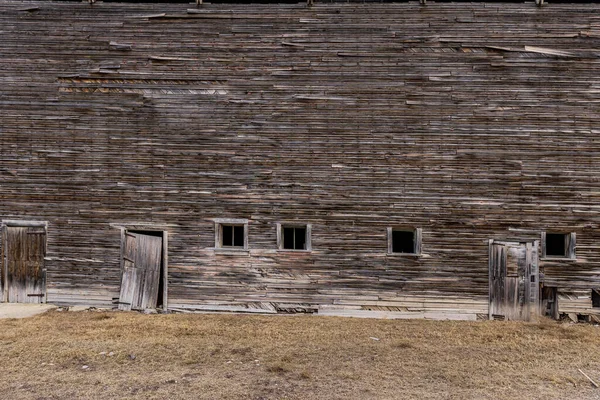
{"type": "Point", "coordinates": [514, 291]}
{"type": "Point", "coordinates": [23, 261]}
{"type": "Point", "coordinates": [144, 264]}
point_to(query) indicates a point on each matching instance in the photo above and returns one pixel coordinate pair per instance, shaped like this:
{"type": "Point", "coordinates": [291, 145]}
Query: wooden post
{"type": "Point", "coordinates": [121, 261]}
{"type": "Point", "coordinates": [490, 276]}
{"type": "Point", "coordinates": [3, 262]}
{"type": "Point", "coordinates": [539, 3]}
{"type": "Point", "coordinates": [527, 286]}
{"type": "Point", "coordinates": [165, 271]}
{"type": "Point", "coordinates": [310, 3]}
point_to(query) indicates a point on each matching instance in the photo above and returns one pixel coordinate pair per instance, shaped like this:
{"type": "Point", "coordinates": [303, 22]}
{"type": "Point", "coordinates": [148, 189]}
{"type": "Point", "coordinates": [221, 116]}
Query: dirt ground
{"type": "Point", "coordinates": [115, 355]}
{"type": "Point", "coordinates": [23, 310]}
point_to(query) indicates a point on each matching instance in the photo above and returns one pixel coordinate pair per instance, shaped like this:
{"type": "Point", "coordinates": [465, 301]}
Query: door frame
{"type": "Point", "coordinates": [4, 225]}
{"type": "Point", "coordinates": [165, 256]}
{"type": "Point", "coordinates": [532, 247]}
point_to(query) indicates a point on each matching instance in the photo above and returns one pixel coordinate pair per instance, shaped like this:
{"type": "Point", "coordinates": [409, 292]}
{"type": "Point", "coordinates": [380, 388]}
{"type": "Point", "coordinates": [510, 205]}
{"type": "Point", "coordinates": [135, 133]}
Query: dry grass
{"type": "Point", "coordinates": [132, 356]}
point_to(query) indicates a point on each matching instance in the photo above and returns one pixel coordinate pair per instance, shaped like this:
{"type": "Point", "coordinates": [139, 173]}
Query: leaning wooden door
{"type": "Point", "coordinates": [514, 280]}
{"type": "Point", "coordinates": [140, 279]}
{"type": "Point", "coordinates": [24, 272]}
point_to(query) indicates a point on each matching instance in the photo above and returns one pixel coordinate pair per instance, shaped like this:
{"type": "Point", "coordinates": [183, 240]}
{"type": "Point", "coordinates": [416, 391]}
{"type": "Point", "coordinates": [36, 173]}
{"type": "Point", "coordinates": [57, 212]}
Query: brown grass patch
{"type": "Point", "coordinates": [113, 355]}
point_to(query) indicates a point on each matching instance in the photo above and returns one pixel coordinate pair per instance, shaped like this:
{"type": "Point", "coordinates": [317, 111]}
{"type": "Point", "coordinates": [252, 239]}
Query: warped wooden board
{"type": "Point", "coordinates": [142, 258]}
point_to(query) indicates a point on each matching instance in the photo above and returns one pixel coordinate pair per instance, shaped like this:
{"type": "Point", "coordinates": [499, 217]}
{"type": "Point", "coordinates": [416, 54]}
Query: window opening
{"type": "Point", "coordinates": [560, 245]}
{"type": "Point", "coordinates": [232, 235]}
{"type": "Point", "coordinates": [556, 244]}
{"type": "Point", "coordinates": [403, 241]}
{"type": "Point", "coordinates": [294, 238]}
{"type": "Point", "coordinates": [595, 298]}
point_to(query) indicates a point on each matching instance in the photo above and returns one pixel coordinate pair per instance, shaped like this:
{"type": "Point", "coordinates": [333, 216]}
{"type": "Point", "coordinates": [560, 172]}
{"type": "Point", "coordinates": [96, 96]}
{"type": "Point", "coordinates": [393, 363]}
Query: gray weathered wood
{"type": "Point", "coordinates": [25, 274]}
{"type": "Point", "coordinates": [514, 280]}
{"type": "Point", "coordinates": [466, 121]}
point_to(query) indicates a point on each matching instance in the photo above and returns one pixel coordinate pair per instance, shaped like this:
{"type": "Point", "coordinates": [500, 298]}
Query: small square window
{"type": "Point", "coordinates": [404, 241]}
{"type": "Point", "coordinates": [294, 237]}
{"type": "Point", "coordinates": [231, 234]}
{"type": "Point", "coordinates": [561, 245]}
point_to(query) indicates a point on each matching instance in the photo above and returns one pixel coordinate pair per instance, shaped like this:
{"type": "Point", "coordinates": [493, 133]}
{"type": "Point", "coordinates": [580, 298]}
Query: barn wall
{"type": "Point", "coordinates": [470, 121]}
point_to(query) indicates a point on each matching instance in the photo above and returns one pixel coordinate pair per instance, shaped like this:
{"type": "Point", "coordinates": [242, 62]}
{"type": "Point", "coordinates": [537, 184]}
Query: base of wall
{"type": "Point", "coordinates": [398, 315]}
{"type": "Point", "coordinates": [328, 310]}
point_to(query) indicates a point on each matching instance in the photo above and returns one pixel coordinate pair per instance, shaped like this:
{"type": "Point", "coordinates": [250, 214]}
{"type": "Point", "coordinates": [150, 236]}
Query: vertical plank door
{"type": "Point", "coordinates": [514, 280]}
{"type": "Point", "coordinates": [25, 272]}
{"type": "Point", "coordinates": [142, 258]}
{"type": "Point", "coordinates": [497, 267]}
{"type": "Point", "coordinates": [129, 277]}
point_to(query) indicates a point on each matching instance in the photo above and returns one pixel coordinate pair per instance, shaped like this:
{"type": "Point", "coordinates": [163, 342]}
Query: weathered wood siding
{"type": "Point", "coordinates": [470, 121]}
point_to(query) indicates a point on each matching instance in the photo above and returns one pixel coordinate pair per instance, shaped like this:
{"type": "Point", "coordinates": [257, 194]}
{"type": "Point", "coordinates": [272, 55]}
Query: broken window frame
{"type": "Point", "coordinates": [220, 223]}
{"type": "Point", "coordinates": [570, 246]}
{"type": "Point", "coordinates": [417, 240]}
{"type": "Point", "coordinates": [307, 240]}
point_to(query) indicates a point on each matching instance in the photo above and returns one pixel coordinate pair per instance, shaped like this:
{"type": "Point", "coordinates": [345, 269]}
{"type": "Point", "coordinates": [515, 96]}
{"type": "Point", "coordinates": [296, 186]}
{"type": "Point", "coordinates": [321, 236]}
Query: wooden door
{"type": "Point", "coordinates": [514, 280]}
{"type": "Point", "coordinates": [24, 272]}
{"type": "Point", "coordinates": [140, 280]}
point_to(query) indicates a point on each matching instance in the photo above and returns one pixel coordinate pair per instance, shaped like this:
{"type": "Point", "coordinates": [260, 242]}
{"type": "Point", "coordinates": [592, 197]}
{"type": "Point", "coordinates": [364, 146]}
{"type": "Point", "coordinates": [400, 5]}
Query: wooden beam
{"type": "Point", "coordinates": [25, 224]}
{"type": "Point", "coordinates": [165, 271]}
